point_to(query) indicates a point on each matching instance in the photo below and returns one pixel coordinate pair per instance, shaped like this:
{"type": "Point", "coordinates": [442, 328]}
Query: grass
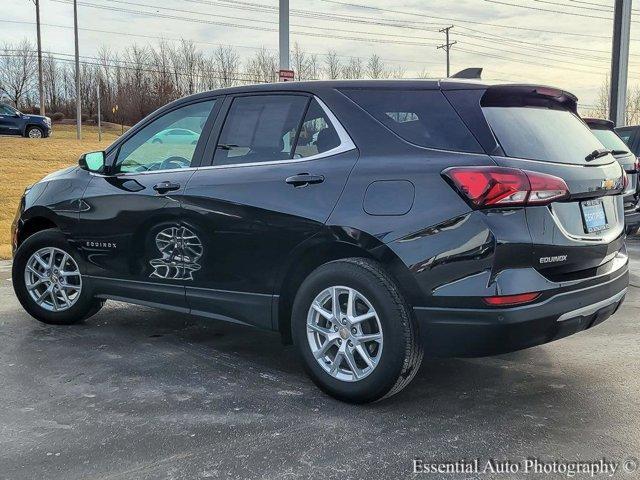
{"type": "Point", "coordinates": [24, 161]}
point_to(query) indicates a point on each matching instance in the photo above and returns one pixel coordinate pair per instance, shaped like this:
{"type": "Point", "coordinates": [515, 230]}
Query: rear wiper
{"type": "Point", "coordinates": [619, 152]}
{"type": "Point", "coordinates": [601, 152]}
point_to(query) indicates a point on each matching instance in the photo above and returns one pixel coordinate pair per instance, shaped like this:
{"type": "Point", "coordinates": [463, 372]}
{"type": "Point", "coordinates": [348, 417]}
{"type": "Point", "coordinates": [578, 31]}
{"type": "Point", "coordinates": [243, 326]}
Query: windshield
{"type": "Point", "coordinates": [610, 140]}
{"type": "Point", "coordinates": [541, 134]}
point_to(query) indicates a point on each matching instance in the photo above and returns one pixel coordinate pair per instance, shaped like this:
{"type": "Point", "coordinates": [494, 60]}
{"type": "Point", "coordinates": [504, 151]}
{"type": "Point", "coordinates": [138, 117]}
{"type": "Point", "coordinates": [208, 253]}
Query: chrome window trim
{"type": "Point", "coordinates": [346, 145]}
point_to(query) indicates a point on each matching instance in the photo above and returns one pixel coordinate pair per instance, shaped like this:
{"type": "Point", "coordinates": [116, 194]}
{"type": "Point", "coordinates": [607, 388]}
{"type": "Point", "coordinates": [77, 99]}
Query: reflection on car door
{"type": "Point", "coordinates": [132, 234]}
{"type": "Point", "coordinates": [278, 168]}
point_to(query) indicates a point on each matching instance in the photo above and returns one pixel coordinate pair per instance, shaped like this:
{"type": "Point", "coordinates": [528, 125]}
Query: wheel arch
{"type": "Point", "coordinates": [33, 224]}
{"type": "Point", "coordinates": [333, 244]}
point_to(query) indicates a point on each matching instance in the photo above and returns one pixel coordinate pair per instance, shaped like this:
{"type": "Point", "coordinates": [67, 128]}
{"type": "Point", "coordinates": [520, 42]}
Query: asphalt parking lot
{"type": "Point", "coordinates": [141, 393]}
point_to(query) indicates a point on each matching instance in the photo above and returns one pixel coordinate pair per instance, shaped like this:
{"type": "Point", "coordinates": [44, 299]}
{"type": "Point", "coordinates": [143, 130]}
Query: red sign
{"type": "Point", "coordinates": [285, 75]}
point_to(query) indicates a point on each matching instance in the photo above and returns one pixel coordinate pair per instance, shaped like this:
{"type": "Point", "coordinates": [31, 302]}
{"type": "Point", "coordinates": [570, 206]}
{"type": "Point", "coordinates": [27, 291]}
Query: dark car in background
{"type": "Point", "coordinates": [605, 132]}
{"type": "Point", "coordinates": [14, 122]}
{"type": "Point", "coordinates": [368, 222]}
{"type": "Point", "coordinates": [631, 136]}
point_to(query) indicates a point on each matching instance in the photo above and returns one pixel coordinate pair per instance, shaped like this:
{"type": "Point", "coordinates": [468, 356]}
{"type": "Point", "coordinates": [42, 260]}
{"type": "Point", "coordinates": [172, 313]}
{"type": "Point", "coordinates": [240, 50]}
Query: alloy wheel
{"type": "Point", "coordinates": [344, 333]}
{"type": "Point", "coordinates": [53, 279]}
{"type": "Point", "coordinates": [35, 133]}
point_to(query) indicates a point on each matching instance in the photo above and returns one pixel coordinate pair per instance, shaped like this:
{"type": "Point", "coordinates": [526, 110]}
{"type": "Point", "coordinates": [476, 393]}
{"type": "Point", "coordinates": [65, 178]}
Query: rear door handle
{"type": "Point", "coordinates": [164, 187]}
{"type": "Point", "coordinates": [304, 179]}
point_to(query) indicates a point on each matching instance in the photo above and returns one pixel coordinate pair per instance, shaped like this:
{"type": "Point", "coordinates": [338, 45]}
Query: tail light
{"type": "Point", "coordinates": [625, 180]}
{"type": "Point", "coordinates": [485, 187]}
{"type": "Point", "coordinates": [510, 300]}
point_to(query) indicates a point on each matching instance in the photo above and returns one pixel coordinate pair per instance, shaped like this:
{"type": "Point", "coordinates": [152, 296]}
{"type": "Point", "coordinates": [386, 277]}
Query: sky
{"type": "Point", "coordinates": [563, 43]}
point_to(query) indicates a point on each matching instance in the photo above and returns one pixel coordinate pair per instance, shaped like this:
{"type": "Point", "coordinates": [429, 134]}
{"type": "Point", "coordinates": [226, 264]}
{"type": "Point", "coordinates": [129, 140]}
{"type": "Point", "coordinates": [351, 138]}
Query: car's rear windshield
{"type": "Point", "coordinates": [610, 140]}
{"type": "Point", "coordinates": [421, 117]}
{"type": "Point", "coordinates": [554, 135]}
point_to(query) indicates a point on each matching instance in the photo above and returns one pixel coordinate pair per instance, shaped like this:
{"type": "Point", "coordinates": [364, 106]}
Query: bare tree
{"type": "Point", "coordinates": [300, 62]}
{"type": "Point", "coordinates": [375, 67]}
{"type": "Point", "coordinates": [314, 68]}
{"type": "Point", "coordinates": [633, 106]}
{"type": "Point", "coordinates": [333, 67]}
{"type": "Point", "coordinates": [18, 68]}
{"type": "Point", "coordinates": [226, 64]}
{"type": "Point", "coordinates": [397, 73]}
{"type": "Point", "coordinates": [424, 73]}
{"type": "Point", "coordinates": [51, 82]}
{"type": "Point", "coordinates": [353, 69]}
{"type": "Point", "coordinates": [262, 67]}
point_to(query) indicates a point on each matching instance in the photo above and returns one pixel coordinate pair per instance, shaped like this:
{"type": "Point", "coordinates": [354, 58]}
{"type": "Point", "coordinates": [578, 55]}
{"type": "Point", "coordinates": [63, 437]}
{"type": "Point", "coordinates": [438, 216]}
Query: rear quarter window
{"type": "Point", "coordinates": [421, 117]}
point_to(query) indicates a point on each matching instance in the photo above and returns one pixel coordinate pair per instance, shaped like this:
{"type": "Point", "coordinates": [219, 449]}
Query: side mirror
{"type": "Point", "coordinates": [92, 161]}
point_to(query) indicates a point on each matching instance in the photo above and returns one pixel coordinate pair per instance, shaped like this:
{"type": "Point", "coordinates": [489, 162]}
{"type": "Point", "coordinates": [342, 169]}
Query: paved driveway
{"type": "Point", "coordinates": [140, 393]}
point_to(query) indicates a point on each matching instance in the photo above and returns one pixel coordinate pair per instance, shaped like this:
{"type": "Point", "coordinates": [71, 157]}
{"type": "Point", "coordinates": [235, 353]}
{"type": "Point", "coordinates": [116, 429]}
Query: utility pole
{"type": "Point", "coordinates": [40, 85]}
{"type": "Point", "coordinates": [99, 123]}
{"type": "Point", "coordinates": [447, 47]}
{"type": "Point", "coordinates": [620, 62]}
{"type": "Point", "coordinates": [78, 103]}
{"type": "Point", "coordinates": [284, 34]}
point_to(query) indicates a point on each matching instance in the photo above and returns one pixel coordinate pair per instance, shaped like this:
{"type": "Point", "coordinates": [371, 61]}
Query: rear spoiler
{"type": "Point", "coordinates": [469, 73]}
{"type": "Point", "coordinates": [599, 123]}
{"type": "Point", "coordinates": [529, 96]}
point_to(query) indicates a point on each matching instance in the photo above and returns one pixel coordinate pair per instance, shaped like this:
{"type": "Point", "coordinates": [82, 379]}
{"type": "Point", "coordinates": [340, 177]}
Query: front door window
{"type": "Point", "coordinates": [166, 143]}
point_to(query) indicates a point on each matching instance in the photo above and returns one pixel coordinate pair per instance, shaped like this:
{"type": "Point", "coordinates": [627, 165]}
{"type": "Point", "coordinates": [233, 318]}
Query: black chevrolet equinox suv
{"type": "Point", "coordinates": [366, 221]}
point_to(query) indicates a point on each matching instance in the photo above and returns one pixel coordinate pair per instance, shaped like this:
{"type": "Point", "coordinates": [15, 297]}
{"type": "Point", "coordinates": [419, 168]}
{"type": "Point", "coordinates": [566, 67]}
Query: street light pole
{"type": "Point", "coordinates": [620, 61]}
{"type": "Point", "coordinates": [78, 102]}
{"type": "Point", "coordinates": [40, 84]}
{"type": "Point", "coordinates": [284, 34]}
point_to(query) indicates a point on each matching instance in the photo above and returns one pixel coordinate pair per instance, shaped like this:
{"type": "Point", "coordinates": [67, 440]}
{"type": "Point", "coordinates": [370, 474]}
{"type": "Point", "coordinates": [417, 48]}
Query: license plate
{"type": "Point", "coordinates": [593, 216]}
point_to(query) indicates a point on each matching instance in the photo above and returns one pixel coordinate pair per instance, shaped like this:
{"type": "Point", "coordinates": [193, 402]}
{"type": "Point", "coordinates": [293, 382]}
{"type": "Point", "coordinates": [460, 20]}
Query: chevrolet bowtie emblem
{"type": "Point", "coordinates": [608, 184]}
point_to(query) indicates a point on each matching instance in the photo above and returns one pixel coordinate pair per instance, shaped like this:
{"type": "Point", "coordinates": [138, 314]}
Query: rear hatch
{"type": "Point", "coordinates": [537, 129]}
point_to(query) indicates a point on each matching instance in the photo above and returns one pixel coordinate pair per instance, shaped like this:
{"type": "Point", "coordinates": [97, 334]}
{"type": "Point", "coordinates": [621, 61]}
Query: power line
{"type": "Point", "coordinates": [257, 20]}
{"type": "Point", "coordinates": [597, 4]}
{"type": "Point", "coordinates": [463, 21]}
{"type": "Point", "coordinates": [528, 62]}
{"type": "Point", "coordinates": [539, 9]}
{"type": "Point", "coordinates": [253, 27]}
{"type": "Point", "coordinates": [250, 6]}
{"type": "Point", "coordinates": [171, 72]}
{"type": "Point", "coordinates": [173, 39]}
{"type": "Point", "coordinates": [537, 44]}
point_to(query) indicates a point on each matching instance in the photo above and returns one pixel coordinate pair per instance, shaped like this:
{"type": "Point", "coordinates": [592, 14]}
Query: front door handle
{"type": "Point", "coordinates": [304, 179]}
{"type": "Point", "coordinates": [164, 187]}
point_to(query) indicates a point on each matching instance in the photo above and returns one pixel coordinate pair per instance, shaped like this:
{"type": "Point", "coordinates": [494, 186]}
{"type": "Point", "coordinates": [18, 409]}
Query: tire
{"type": "Point", "coordinates": [81, 305]}
{"type": "Point", "coordinates": [34, 132]}
{"type": "Point", "coordinates": [396, 358]}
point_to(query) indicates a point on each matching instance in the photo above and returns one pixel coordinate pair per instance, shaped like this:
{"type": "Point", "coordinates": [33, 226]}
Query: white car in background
{"type": "Point", "coordinates": [175, 136]}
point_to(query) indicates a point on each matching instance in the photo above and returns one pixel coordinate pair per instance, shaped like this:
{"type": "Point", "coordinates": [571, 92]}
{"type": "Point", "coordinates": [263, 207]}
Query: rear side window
{"type": "Point", "coordinates": [317, 134]}
{"type": "Point", "coordinates": [610, 140]}
{"type": "Point", "coordinates": [626, 134]}
{"type": "Point", "coordinates": [422, 117]}
{"type": "Point", "coordinates": [553, 135]}
{"type": "Point", "coordinates": [260, 128]}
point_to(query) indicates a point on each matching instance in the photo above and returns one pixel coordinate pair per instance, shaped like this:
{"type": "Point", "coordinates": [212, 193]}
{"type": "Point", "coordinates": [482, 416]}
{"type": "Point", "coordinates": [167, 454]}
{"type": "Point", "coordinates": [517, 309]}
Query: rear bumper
{"type": "Point", "coordinates": [449, 332]}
